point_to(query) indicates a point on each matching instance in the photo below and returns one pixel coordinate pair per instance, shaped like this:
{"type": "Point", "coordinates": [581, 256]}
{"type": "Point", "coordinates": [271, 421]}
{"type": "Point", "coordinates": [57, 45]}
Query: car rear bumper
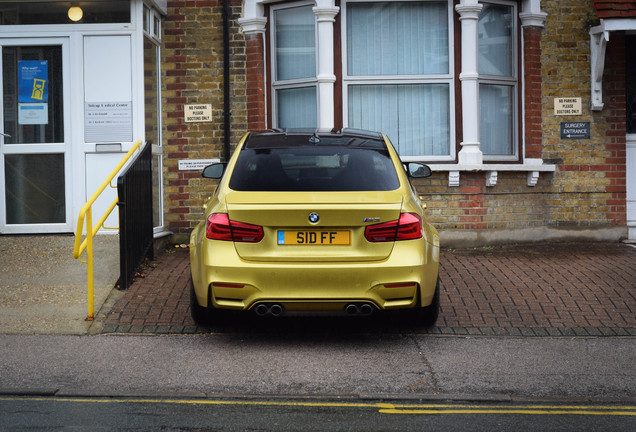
{"type": "Point", "coordinates": [397, 282]}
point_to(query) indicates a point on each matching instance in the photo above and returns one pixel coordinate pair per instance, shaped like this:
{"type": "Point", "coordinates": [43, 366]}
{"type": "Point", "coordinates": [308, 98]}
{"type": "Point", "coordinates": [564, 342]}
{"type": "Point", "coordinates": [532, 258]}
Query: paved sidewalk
{"type": "Point", "coordinates": [43, 289]}
{"type": "Point", "coordinates": [548, 289]}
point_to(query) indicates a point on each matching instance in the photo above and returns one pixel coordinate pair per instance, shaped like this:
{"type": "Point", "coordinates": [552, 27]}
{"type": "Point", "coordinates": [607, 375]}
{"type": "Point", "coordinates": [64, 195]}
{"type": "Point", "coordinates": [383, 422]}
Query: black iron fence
{"type": "Point", "coordinates": [134, 188]}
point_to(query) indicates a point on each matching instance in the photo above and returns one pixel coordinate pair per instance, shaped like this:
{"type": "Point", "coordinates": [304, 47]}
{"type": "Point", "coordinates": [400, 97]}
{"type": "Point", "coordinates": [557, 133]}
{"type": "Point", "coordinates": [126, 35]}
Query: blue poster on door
{"type": "Point", "coordinates": [33, 81]}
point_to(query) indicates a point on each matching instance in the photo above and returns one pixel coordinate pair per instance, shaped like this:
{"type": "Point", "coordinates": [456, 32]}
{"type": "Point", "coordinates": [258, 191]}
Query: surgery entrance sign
{"type": "Point", "coordinates": [575, 130]}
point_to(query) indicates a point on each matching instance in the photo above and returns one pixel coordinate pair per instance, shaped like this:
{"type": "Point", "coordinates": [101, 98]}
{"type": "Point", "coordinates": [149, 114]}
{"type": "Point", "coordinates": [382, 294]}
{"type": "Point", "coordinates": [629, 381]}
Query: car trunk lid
{"type": "Point", "coordinates": [314, 226]}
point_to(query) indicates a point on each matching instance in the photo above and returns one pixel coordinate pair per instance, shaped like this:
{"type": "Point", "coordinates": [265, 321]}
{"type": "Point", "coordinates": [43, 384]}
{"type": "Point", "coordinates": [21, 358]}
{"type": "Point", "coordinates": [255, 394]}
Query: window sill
{"type": "Point", "coordinates": [532, 166]}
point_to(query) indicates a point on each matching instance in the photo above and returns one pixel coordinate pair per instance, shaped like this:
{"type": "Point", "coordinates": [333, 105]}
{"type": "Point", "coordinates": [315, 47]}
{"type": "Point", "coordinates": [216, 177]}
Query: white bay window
{"type": "Point", "coordinates": [390, 66]}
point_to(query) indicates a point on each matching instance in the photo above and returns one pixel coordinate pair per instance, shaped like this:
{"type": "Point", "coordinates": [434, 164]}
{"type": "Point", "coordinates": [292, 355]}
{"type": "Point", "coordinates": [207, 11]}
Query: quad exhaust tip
{"type": "Point", "coordinates": [276, 309]}
{"type": "Point", "coordinates": [272, 309]}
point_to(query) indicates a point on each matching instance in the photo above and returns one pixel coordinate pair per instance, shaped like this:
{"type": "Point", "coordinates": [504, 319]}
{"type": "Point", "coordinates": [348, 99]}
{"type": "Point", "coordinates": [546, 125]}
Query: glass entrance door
{"type": "Point", "coordinates": [34, 140]}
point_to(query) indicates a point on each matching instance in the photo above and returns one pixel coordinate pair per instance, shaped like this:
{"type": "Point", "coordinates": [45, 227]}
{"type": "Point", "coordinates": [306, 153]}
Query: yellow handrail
{"type": "Point", "coordinates": [86, 213]}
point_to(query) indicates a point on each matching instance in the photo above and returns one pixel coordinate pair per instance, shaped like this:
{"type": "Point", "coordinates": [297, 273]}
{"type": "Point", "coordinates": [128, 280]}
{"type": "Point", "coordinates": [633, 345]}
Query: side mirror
{"type": "Point", "coordinates": [418, 170]}
{"type": "Point", "coordinates": [214, 171]}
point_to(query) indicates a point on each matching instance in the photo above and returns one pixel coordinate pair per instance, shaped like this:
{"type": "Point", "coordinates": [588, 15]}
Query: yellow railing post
{"type": "Point", "coordinates": [89, 264]}
{"type": "Point", "coordinates": [86, 213]}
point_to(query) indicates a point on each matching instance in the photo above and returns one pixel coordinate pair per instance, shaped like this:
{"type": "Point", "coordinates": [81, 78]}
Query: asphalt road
{"type": "Point", "coordinates": [107, 414]}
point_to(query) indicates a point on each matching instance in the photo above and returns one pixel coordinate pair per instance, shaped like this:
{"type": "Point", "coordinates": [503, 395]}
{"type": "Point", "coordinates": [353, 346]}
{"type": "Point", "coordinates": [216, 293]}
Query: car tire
{"type": "Point", "coordinates": [200, 314]}
{"type": "Point", "coordinates": [425, 316]}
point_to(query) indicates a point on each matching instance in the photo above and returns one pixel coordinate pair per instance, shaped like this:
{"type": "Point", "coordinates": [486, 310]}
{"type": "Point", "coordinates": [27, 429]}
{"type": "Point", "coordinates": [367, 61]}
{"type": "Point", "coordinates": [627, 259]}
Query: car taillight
{"type": "Point", "coordinates": [408, 227]}
{"type": "Point", "coordinates": [220, 227]}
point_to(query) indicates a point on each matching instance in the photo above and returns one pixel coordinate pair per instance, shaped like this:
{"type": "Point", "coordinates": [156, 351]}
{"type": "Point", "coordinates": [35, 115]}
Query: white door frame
{"type": "Point", "coordinates": [63, 147]}
{"type": "Point", "coordinates": [630, 169]}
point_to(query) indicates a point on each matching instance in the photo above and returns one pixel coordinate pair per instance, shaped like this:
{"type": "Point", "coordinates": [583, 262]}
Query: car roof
{"type": "Point", "coordinates": [310, 137]}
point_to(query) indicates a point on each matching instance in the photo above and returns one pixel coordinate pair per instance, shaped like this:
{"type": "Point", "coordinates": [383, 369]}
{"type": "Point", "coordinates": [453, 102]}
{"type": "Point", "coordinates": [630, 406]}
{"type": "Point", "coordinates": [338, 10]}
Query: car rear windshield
{"type": "Point", "coordinates": [327, 166]}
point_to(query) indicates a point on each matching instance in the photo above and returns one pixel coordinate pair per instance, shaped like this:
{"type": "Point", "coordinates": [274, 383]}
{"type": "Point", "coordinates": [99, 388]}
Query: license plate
{"type": "Point", "coordinates": [314, 238]}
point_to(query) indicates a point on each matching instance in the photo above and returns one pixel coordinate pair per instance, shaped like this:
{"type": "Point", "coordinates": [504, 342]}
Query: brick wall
{"type": "Point", "coordinates": [615, 152]}
{"type": "Point", "coordinates": [532, 91]}
{"type": "Point", "coordinates": [255, 68]}
{"type": "Point", "coordinates": [588, 188]}
{"type": "Point", "coordinates": [192, 59]}
{"type": "Point", "coordinates": [589, 185]}
{"type": "Point", "coordinates": [586, 191]}
{"type": "Point", "coordinates": [509, 205]}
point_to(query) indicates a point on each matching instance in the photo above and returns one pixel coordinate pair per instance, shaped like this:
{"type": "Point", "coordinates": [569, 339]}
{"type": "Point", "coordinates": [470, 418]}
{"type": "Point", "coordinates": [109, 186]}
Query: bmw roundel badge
{"type": "Point", "coordinates": [313, 217]}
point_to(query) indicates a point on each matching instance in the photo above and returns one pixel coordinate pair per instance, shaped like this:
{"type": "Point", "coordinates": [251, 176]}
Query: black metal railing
{"type": "Point", "coordinates": [134, 189]}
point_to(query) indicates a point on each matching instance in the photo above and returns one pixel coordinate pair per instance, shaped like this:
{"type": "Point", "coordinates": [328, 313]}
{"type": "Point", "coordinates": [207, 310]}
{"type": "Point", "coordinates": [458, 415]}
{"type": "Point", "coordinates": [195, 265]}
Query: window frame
{"type": "Point", "coordinates": [508, 81]}
{"type": "Point", "coordinates": [452, 78]}
{"type": "Point", "coordinates": [152, 24]}
{"type": "Point", "coordinates": [447, 78]}
{"type": "Point", "coordinates": [296, 83]}
{"type": "Point", "coordinates": [630, 90]}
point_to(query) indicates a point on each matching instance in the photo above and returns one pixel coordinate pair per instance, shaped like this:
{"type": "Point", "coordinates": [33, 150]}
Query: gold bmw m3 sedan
{"type": "Point", "coordinates": [310, 221]}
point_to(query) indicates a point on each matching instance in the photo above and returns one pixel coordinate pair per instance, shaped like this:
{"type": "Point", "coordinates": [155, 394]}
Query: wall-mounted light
{"type": "Point", "coordinates": [75, 12]}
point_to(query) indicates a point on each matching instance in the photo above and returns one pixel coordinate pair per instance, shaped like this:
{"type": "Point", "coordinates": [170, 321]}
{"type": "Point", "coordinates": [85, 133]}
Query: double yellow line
{"type": "Point", "coordinates": [383, 408]}
{"type": "Point", "coordinates": [589, 410]}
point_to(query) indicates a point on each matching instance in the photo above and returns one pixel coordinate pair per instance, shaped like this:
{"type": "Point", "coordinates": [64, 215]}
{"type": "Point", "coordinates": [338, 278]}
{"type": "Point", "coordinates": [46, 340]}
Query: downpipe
{"type": "Point", "coordinates": [226, 80]}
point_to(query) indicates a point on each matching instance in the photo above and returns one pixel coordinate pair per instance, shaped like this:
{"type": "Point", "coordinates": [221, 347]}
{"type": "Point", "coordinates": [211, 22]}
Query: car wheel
{"type": "Point", "coordinates": [425, 316]}
{"type": "Point", "coordinates": [200, 314]}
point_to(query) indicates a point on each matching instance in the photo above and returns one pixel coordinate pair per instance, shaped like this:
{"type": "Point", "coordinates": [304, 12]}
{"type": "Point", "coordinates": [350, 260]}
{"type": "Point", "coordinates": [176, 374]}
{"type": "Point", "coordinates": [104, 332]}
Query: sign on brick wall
{"type": "Point", "coordinates": [575, 130]}
{"type": "Point", "coordinates": [568, 106]}
{"type": "Point", "coordinates": [195, 164]}
{"type": "Point", "coordinates": [198, 113]}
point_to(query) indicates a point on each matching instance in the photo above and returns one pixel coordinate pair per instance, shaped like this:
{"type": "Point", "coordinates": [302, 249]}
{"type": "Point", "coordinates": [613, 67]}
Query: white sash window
{"type": "Point", "coordinates": [497, 81]}
{"type": "Point", "coordinates": [398, 73]}
{"type": "Point", "coordinates": [294, 47]}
